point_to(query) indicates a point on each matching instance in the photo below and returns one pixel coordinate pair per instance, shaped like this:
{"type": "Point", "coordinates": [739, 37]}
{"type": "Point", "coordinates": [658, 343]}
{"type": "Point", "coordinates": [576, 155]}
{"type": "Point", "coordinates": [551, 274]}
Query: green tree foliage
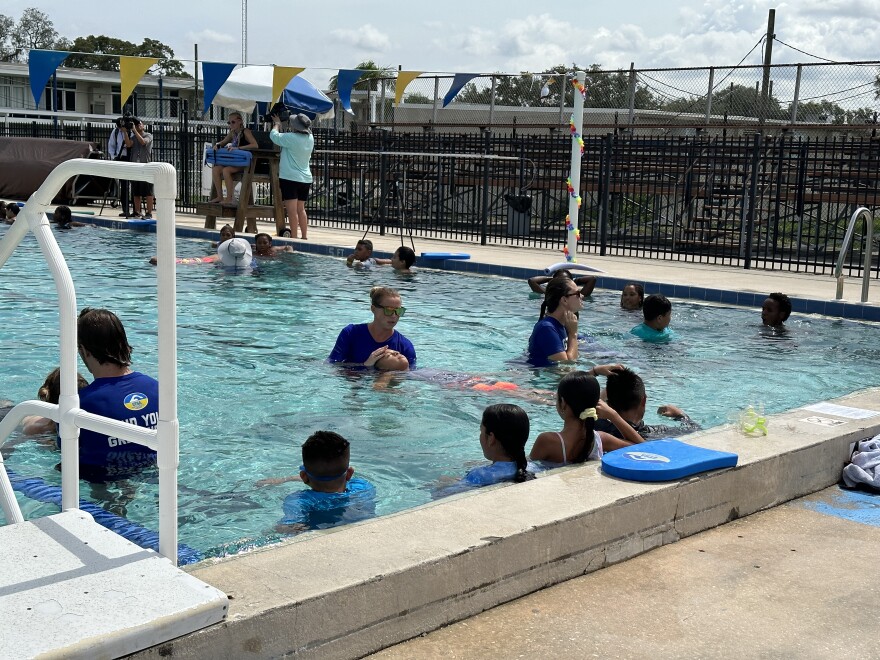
{"type": "Point", "coordinates": [823, 112]}
{"type": "Point", "coordinates": [33, 30]}
{"type": "Point", "coordinates": [103, 45]}
{"type": "Point", "coordinates": [605, 89]}
{"type": "Point", "coordinates": [370, 79]}
{"type": "Point", "coordinates": [418, 97]}
{"type": "Point", "coordinates": [735, 100]}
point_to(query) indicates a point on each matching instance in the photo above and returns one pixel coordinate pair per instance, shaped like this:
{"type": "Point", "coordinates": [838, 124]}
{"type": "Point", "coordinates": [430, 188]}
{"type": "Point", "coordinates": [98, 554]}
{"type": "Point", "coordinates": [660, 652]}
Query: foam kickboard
{"type": "Point", "coordinates": [664, 460]}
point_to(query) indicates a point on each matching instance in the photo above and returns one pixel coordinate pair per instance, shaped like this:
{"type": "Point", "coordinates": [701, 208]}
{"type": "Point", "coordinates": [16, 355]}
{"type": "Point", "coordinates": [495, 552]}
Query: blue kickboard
{"type": "Point", "coordinates": [664, 460]}
{"type": "Point", "coordinates": [445, 255]}
{"type": "Point", "coordinates": [142, 222]}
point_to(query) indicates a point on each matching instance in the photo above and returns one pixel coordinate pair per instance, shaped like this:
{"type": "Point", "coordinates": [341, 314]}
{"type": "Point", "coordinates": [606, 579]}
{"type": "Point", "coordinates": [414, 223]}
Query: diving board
{"type": "Point", "coordinates": [70, 588]}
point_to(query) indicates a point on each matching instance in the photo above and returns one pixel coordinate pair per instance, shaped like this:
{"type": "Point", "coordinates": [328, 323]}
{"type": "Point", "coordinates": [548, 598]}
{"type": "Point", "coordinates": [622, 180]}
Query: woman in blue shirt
{"type": "Point", "coordinates": [364, 343]}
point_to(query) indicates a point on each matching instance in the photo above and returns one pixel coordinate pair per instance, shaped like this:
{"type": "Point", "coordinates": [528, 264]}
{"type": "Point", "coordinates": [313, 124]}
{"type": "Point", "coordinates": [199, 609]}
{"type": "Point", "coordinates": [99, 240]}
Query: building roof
{"type": "Point", "coordinates": [18, 69]}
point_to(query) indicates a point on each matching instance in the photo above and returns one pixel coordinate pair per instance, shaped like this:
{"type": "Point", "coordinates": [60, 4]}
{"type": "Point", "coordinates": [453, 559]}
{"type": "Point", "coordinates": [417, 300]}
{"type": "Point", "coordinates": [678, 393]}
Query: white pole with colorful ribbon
{"type": "Point", "coordinates": [576, 125]}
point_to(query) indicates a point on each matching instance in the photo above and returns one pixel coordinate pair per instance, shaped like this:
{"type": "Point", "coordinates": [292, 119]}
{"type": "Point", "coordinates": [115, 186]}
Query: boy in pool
{"type": "Point", "coordinates": [776, 310]}
{"type": "Point", "coordinates": [263, 247]}
{"type": "Point", "coordinates": [63, 218]}
{"type": "Point", "coordinates": [12, 210]}
{"type": "Point", "coordinates": [362, 256]}
{"type": "Point", "coordinates": [625, 390]}
{"type": "Point", "coordinates": [335, 495]}
{"type": "Point", "coordinates": [401, 261]}
{"type": "Point", "coordinates": [657, 311]}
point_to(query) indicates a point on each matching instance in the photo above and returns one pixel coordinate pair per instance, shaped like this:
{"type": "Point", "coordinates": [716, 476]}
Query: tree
{"type": "Point", "coordinates": [604, 89]}
{"type": "Point", "coordinates": [33, 30]}
{"type": "Point", "coordinates": [824, 112]}
{"type": "Point", "coordinates": [738, 100]}
{"type": "Point", "coordinates": [104, 46]}
{"type": "Point", "coordinates": [370, 78]}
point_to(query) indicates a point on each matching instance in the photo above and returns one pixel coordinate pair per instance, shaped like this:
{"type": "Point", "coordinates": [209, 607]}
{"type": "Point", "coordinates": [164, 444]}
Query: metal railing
{"type": "Point", "coordinates": [67, 413]}
{"type": "Point", "coordinates": [868, 252]}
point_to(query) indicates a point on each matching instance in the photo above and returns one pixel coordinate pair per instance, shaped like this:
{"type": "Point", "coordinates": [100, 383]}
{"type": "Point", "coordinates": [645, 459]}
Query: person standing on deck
{"type": "Point", "coordinates": [295, 173]}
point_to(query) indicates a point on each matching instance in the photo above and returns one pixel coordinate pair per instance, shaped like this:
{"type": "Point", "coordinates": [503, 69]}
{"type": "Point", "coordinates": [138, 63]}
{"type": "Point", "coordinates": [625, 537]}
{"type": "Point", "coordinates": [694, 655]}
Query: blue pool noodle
{"type": "Point", "coordinates": [37, 489]}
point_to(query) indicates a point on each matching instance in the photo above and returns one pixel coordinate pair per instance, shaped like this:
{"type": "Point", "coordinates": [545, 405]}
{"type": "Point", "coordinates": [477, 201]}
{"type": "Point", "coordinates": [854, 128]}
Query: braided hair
{"type": "Point", "coordinates": [510, 424]}
{"type": "Point", "coordinates": [580, 391]}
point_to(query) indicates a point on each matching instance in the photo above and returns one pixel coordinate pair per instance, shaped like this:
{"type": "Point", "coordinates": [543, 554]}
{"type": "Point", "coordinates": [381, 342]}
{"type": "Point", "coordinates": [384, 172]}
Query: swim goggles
{"type": "Point", "coordinates": [332, 477]}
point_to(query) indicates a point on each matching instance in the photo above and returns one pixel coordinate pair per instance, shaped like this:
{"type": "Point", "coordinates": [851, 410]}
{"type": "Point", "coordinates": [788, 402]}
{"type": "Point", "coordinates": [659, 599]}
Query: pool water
{"type": "Point", "coordinates": [253, 383]}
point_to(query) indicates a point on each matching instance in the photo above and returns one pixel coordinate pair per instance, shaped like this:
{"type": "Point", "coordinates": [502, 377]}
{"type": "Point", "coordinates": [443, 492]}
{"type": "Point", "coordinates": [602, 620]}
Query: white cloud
{"type": "Point", "coordinates": [212, 36]}
{"type": "Point", "coordinates": [366, 37]}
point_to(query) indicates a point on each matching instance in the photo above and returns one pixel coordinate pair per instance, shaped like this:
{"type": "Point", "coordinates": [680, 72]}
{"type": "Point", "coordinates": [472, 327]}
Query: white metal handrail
{"type": "Point", "coordinates": [165, 438]}
{"type": "Point", "coordinates": [869, 251]}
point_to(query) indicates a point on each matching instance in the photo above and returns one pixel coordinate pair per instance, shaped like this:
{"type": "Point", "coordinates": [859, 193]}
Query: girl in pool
{"type": "Point", "coordinates": [226, 232]}
{"type": "Point", "coordinates": [364, 343]}
{"type": "Point", "coordinates": [632, 296]}
{"type": "Point", "coordinates": [50, 391]}
{"type": "Point", "coordinates": [579, 406]}
{"type": "Point", "coordinates": [63, 218]}
{"type": "Point", "coordinates": [503, 434]}
{"type": "Point", "coordinates": [263, 247]}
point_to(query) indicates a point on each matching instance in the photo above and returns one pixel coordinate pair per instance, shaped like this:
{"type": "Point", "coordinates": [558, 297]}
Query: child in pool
{"type": "Point", "coordinates": [579, 406]}
{"type": "Point", "coordinates": [401, 261]}
{"type": "Point", "coordinates": [504, 431]}
{"type": "Point", "coordinates": [632, 297]}
{"type": "Point", "coordinates": [63, 218]}
{"type": "Point", "coordinates": [50, 392]}
{"type": "Point", "coordinates": [263, 246]}
{"type": "Point", "coordinates": [226, 232]}
{"type": "Point", "coordinates": [657, 311]}
{"type": "Point", "coordinates": [335, 496]}
{"type": "Point", "coordinates": [776, 310]}
{"type": "Point", "coordinates": [12, 210]}
{"type": "Point", "coordinates": [362, 257]}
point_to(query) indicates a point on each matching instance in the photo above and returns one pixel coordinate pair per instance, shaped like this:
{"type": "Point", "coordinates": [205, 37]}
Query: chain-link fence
{"type": "Point", "coordinates": [806, 97]}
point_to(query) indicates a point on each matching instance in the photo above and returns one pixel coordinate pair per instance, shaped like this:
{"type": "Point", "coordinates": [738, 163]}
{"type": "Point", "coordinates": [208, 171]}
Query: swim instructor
{"type": "Point", "coordinates": [364, 343]}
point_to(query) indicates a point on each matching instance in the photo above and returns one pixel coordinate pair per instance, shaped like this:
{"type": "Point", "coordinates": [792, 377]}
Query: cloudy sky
{"type": "Point", "coordinates": [478, 36]}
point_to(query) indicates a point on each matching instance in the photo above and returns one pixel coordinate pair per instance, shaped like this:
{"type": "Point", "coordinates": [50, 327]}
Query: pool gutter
{"type": "Point", "coordinates": [348, 592]}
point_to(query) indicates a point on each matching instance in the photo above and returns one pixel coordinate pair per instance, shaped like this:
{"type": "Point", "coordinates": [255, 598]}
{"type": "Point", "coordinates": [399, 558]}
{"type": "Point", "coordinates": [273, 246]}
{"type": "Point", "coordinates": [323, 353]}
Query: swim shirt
{"type": "Point", "coordinates": [651, 431]}
{"type": "Point", "coordinates": [318, 510]}
{"type": "Point", "coordinates": [355, 343]}
{"type": "Point", "coordinates": [133, 398]}
{"type": "Point", "coordinates": [548, 338]}
{"type": "Point", "coordinates": [296, 152]}
{"type": "Point", "coordinates": [647, 333]}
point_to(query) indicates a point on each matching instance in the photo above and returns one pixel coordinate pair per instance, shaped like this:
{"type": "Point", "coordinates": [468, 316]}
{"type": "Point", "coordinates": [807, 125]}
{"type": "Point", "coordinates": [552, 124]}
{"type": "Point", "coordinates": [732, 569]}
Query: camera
{"type": "Point", "coordinates": [279, 110]}
{"type": "Point", "coordinates": [128, 121]}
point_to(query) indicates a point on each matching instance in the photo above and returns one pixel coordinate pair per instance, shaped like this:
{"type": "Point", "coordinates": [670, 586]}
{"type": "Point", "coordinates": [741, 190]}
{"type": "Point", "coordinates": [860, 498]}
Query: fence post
{"type": "Point", "coordinates": [484, 212]}
{"type": "Point", "coordinates": [436, 99]}
{"type": "Point", "coordinates": [492, 102]}
{"type": "Point", "coordinates": [383, 179]}
{"type": "Point", "coordinates": [632, 94]}
{"type": "Point", "coordinates": [562, 88]}
{"type": "Point", "coordinates": [605, 169]}
{"type": "Point", "coordinates": [753, 198]}
{"type": "Point", "coordinates": [709, 94]}
{"type": "Point", "coordinates": [185, 172]}
{"type": "Point", "coordinates": [797, 93]}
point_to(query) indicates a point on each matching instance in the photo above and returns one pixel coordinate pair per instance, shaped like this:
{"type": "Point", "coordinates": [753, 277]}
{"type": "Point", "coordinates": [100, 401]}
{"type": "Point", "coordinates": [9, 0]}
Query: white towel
{"type": "Point", "coordinates": [865, 465]}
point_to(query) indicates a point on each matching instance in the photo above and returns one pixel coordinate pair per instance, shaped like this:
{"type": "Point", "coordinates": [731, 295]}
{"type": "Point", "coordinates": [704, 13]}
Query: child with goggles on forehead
{"type": "Point", "coordinates": [335, 495]}
{"type": "Point", "coordinates": [363, 344]}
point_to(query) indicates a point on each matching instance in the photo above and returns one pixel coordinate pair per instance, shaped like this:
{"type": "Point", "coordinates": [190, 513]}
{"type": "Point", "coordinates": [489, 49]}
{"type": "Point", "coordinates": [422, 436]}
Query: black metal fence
{"type": "Point", "coordinates": [777, 202]}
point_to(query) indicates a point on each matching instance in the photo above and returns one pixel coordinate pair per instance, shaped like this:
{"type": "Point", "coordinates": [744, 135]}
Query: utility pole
{"type": "Point", "coordinates": [764, 103]}
{"type": "Point", "coordinates": [244, 31]}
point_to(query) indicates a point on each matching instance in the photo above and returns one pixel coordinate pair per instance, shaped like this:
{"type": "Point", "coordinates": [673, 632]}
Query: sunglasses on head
{"type": "Point", "coordinates": [391, 311]}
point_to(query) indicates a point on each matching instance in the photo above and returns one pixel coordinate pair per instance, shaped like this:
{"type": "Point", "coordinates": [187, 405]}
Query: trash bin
{"type": "Point", "coordinates": [519, 214]}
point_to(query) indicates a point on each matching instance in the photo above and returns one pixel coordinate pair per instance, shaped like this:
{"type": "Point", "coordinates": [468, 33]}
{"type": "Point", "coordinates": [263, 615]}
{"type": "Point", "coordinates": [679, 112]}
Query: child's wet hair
{"type": "Point", "coordinates": [784, 303]}
{"type": "Point", "coordinates": [625, 389]}
{"type": "Point", "coordinates": [640, 290]}
{"type": "Point", "coordinates": [325, 453]}
{"type": "Point", "coordinates": [406, 255]}
{"type": "Point", "coordinates": [62, 215]}
{"type": "Point", "coordinates": [510, 424]}
{"type": "Point", "coordinates": [50, 390]}
{"type": "Point", "coordinates": [366, 242]}
{"type": "Point", "coordinates": [580, 391]}
{"type": "Point", "coordinates": [655, 305]}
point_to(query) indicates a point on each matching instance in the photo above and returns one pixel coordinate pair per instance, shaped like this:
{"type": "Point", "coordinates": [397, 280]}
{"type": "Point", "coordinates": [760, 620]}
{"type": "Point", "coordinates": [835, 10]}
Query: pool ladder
{"type": "Point", "coordinates": [868, 254]}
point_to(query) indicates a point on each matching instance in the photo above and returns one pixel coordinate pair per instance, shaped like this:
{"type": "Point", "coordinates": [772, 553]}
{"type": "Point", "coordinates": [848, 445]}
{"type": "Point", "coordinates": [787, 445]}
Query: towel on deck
{"type": "Point", "coordinates": [864, 469]}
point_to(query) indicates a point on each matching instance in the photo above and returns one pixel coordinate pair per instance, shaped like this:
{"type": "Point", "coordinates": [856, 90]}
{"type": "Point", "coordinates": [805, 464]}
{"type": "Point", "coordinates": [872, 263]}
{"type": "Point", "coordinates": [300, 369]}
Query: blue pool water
{"type": "Point", "coordinates": [253, 382]}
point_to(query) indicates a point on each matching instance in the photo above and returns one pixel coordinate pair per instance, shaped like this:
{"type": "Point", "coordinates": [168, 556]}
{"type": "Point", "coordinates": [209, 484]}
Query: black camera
{"type": "Point", "coordinates": [128, 120]}
{"type": "Point", "coordinates": [279, 110]}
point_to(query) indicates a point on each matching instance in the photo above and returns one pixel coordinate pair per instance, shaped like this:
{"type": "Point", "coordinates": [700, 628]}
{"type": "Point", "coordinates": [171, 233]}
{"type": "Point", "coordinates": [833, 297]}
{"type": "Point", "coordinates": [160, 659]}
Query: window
{"type": "Point", "coordinates": [65, 98]}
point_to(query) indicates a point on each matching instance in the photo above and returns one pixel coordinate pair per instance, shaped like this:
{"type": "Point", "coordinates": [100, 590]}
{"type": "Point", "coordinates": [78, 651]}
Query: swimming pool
{"type": "Point", "coordinates": [254, 385]}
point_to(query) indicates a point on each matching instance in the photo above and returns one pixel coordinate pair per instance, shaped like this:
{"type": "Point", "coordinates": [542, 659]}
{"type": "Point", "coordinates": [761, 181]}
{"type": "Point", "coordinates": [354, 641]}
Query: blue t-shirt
{"type": "Point", "coordinates": [355, 343]}
{"type": "Point", "coordinates": [318, 510]}
{"type": "Point", "coordinates": [548, 338]}
{"type": "Point", "coordinates": [647, 333]}
{"type": "Point", "coordinates": [133, 398]}
{"type": "Point", "coordinates": [296, 151]}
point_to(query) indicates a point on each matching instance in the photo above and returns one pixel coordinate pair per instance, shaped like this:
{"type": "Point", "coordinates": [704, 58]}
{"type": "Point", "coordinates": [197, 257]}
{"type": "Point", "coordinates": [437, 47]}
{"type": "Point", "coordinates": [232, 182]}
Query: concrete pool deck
{"type": "Point", "coordinates": [352, 591]}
